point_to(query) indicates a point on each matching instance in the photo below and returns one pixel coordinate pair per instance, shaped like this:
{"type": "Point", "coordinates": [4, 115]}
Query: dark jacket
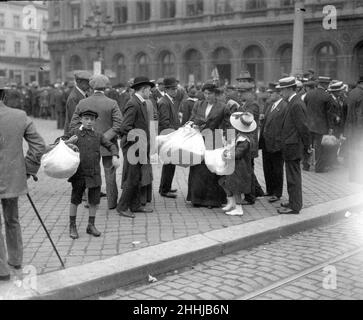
{"type": "Point", "coordinates": [59, 100]}
{"type": "Point", "coordinates": [295, 136]}
{"type": "Point", "coordinates": [354, 122]}
{"type": "Point", "coordinates": [186, 109]}
{"type": "Point", "coordinates": [109, 117]}
{"type": "Point", "coordinates": [318, 104]}
{"type": "Point", "coordinates": [336, 115]}
{"type": "Point", "coordinates": [89, 143]}
{"type": "Point", "coordinates": [270, 133]}
{"type": "Point", "coordinates": [74, 97]}
{"type": "Point", "coordinates": [168, 114]}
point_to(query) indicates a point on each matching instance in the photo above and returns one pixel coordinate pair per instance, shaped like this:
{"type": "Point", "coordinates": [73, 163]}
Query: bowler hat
{"type": "Point", "coordinates": [286, 82]}
{"type": "Point", "coordinates": [210, 87]}
{"type": "Point", "coordinates": [88, 112]}
{"type": "Point", "coordinates": [99, 81]}
{"type": "Point", "coordinates": [170, 83]}
{"type": "Point", "coordinates": [82, 75]}
{"type": "Point", "coordinates": [243, 121]}
{"type": "Point", "coordinates": [244, 75]}
{"type": "Point", "coordinates": [142, 81]}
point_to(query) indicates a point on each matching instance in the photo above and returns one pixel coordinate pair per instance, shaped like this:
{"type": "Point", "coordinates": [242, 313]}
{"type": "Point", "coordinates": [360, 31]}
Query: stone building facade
{"type": "Point", "coordinates": [189, 38]}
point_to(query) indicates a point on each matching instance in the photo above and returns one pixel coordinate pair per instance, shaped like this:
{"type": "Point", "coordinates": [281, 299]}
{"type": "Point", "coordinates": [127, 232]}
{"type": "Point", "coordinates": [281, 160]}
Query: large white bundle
{"type": "Point", "coordinates": [184, 147]}
{"type": "Point", "coordinates": [217, 164]}
{"type": "Point", "coordinates": [61, 162]}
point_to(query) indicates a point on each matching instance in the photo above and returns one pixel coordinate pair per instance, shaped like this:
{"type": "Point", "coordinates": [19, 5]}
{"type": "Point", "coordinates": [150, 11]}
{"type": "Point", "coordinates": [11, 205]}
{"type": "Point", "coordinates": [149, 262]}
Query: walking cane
{"type": "Point", "coordinates": [45, 229]}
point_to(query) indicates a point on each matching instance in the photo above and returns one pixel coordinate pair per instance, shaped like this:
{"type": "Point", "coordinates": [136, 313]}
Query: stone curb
{"type": "Point", "coordinates": [95, 277]}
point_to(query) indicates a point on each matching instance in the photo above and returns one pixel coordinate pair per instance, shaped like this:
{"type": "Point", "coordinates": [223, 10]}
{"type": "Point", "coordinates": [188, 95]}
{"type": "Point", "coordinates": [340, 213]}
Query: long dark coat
{"type": "Point", "coordinates": [168, 114]}
{"type": "Point", "coordinates": [240, 180]}
{"type": "Point", "coordinates": [74, 97]}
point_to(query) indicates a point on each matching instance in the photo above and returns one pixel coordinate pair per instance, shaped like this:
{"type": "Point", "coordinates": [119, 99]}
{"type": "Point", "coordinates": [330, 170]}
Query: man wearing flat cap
{"type": "Point", "coordinates": [168, 119]}
{"type": "Point", "coordinates": [77, 94]}
{"type": "Point", "coordinates": [108, 123]}
{"type": "Point", "coordinates": [318, 106]}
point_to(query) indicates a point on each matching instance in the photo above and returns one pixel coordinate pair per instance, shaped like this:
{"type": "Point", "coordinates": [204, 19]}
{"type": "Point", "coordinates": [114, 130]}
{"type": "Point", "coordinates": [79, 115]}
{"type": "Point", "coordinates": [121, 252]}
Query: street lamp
{"type": "Point", "coordinates": [94, 22]}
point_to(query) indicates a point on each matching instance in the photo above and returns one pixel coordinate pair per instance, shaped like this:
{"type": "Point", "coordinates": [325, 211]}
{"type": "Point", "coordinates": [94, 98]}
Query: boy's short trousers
{"type": "Point", "coordinates": [78, 187]}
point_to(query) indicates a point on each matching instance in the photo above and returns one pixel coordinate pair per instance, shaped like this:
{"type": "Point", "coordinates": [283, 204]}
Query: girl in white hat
{"type": "Point", "coordinates": [241, 179]}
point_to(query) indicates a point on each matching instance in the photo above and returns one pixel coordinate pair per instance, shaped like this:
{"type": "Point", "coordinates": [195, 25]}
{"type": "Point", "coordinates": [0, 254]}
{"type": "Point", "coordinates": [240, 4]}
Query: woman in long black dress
{"type": "Point", "coordinates": [203, 187]}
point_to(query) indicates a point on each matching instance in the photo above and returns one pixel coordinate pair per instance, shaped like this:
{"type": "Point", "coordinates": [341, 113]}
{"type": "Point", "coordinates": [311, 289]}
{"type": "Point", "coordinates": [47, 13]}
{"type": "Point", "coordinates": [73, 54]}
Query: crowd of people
{"type": "Point", "coordinates": [298, 122]}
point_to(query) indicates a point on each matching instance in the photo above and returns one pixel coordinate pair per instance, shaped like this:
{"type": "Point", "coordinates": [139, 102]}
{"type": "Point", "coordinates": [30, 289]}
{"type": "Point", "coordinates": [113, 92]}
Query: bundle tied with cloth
{"type": "Point", "coordinates": [183, 147]}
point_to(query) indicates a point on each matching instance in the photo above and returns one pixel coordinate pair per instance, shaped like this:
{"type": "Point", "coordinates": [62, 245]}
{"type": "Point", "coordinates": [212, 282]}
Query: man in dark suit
{"type": "Point", "coordinates": [108, 123]}
{"type": "Point", "coordinates": [295, 138]}
{"type": "Point", "coordinates": [168, 119]}
{"type": "Point", "coordinates": [135, 126]}
{"type": "Point", "coordinates": [270, 143]}
{"type": "Point", "coordinates": [77, 94]}
{"type": "Point", "coordinates": [59, 105]}
{"type": "Point", "coordinates": [318, 105]}
{"type": "Point", "coordinates": [249, 104]}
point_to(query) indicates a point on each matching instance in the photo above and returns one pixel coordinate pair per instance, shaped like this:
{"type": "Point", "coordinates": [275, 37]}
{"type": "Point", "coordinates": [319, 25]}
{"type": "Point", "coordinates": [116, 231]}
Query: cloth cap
{"type": "Point", "coordinates": [99, 81]}
{"type": "Point", "coordinates": [82, 75]}
{"type": "Point", "coordinates": [88, 112]}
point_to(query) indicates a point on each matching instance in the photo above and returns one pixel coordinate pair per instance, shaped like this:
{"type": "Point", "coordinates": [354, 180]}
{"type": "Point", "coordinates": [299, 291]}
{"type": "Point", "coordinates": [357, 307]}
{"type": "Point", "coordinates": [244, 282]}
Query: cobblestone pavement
{"type": "Point", "coordinates": [171, 219]}
{"type": "Point", "coordinates": [242, 274]}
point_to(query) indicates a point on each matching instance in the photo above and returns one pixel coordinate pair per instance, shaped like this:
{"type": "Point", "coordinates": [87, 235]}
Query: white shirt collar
{"type": "Point", "coordinates": [292, 96]}
{"type": "Point", "coordinates": [140, 97]}
{"type": "Point", "coordinates": [171, 99]}
{"type": "Point", "coordinates": [81, 128]}
{"type": "Point", "coordinates": [81, 91]}
{"type": "Point", "coordinates": [161, 92]}
{"type": "Point", "coordinates": [99, 91]}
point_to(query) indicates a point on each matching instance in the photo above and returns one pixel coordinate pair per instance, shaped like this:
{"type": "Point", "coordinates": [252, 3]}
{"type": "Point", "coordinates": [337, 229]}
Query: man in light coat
{"type": "Point", "coordinates": [109, 123]}
{"type": "Point", "coordinates": [14, 170]}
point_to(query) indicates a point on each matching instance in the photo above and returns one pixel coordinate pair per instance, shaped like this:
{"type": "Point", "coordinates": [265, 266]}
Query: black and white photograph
{"type": "Point", "coordinates": [181, 155]}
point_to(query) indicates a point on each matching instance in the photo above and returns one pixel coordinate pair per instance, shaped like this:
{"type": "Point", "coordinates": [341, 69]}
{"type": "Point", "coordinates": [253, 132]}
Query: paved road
{"type": "Point", "coordinates": [171, 219]}
{"type": "Point", "coordinates": [323, 263]}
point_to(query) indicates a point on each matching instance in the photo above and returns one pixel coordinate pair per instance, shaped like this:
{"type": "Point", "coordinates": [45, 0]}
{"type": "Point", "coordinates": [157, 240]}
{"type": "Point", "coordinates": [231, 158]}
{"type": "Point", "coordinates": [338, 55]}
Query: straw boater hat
{"type": "Point", "coordinates": [336, 86]}
{"type": "Point", "coordinates": [243, 121]}
{"type": "Point", "coordinates": [286, 83]}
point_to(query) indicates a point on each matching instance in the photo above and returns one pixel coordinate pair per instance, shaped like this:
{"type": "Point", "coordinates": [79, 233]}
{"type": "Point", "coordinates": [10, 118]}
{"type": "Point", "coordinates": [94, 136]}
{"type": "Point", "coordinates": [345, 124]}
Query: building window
{"type": "Point", "coordinates": [256, 4]}
{"type": "Point", "coordinates": [142, 10]}
{"type": "Point", "coordinates": [194, 7]}
{"type": "Point", "coordinates": [120, 12]}
{"type": "Point", "coordinates": [167, 61]}
{"type": "Point", "coordinates": [142, 65]}
{"type": "Point", "coordinates": [221, 59]}
{"type": "Point", "coordinates": [32, 47]}
{"type": "Point", "coordinates": [16, 21]}
{"type": "Point", "coordinates": [254, 62]}
{"type": "Point", "coordinates": [2, 20]}
{"type": "Point", "coordinates": [56, 14]}
{"type": "Point", "coordinates": [287, 3]}
{"type": "Point", "coordinates": [327, 61]}
{"type": "Point", "coordinates": [193, 66]}
{"type": "Point", "coordinates": [285, 59]}
{"type": "Point", "coordinates": [76, 16]}
{"type": "Point", "coordinates": [168, 8]}
{"type": "Point", "coordinates": [2, 46]}
{"type": "Point", "coordinates": [224, 6]}
{"type": "Point", "coordinates": [17, 47]}
{"type": "Point", "coordinates": [120, 67]}
{"type": "Point", "coordinates": [2, 73]}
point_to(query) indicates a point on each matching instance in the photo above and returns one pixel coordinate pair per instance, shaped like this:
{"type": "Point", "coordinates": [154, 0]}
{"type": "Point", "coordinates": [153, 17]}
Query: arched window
{"type": "Point", "coordinates": [168, 9]}
{"type": "Point", "coordinates": [167, 62]}
{"type": "Point", "coordinates": [193, 66]}
{"type": "Point", "coordinates": [143, 10]}
{"type": "Point", "coordinates": [119, 66]}
{"type": "Point", "coordinates": [285, 57]}
{"type": "Point", "coordinates": [222, 61]}
{"type": "Point", "coordinates": [253, 61]}
{"type": "Point", "coordinates": [326, 58]}
{"type": "Point", "coordinates": [75, 63]}
{"type": "Point", "coordinates": [255, 4]}
{"type": "Point", "coordinates": [142, 65]}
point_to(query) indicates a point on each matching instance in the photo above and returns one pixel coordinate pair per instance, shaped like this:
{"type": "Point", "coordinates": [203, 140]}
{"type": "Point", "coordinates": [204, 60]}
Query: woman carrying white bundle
{"type": "Point", "coordinates": [240, 180]}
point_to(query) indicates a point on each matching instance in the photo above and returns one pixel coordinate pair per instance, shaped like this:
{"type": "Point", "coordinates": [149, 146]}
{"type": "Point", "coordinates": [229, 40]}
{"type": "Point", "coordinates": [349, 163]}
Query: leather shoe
{"type": "Point", "coordinates": [260, 193]}
{"type": "Point", "coordinates": [73, 231]}
{"type": "Point", "coordinates": [173, 190]}
{"type": "Point", "coordinates": [144, 210]}
{"type": "Point", "coordinates": [127, 214]}
{"type": "Point", "coordinates": [285, 204]}
{"type": "Point", "coordinates": [273, 199]}
{"type": "Point", "coordinates": [15, 266]}
{"type": "Point", "coordinates": [287, 211]}
{"type": "Point", "coordinates": [168, 195]}
{"type": "Point", "coordinates": [5, 278]}
{"type": "Point", "coordinates": [247, 203]}
{"type": "Point", "coordinates": [91, 229]}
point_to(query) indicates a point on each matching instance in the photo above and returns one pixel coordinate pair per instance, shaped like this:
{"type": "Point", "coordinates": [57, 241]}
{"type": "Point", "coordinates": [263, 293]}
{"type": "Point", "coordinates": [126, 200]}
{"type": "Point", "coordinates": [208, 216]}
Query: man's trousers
{"type": "Point", "coordinates": [294, 184]}
{"type": "Point", "coordinates": [273, 165]}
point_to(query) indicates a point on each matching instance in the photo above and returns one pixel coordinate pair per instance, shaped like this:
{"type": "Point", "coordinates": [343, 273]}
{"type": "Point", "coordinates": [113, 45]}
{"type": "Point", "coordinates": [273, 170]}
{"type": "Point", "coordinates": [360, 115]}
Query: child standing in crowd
{"type": "Point", "coordinates": [88, 174]}
{"type": "Point", "coordinates": [240, 180]}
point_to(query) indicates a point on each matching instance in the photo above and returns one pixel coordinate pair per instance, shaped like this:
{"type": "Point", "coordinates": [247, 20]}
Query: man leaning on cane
{"type": "Point", "coordinates": [14, 170]}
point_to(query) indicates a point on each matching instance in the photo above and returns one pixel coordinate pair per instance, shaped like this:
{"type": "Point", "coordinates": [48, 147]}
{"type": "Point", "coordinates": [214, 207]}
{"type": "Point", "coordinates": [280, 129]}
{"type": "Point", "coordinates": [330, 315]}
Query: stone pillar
{"type": "Point", "coordinates": [155, 10]}
{"type": "Point", "coordinates": [208, 7]}
{"type": "Point", "coordinates": [131, 15]}
{"type": "Point", "coordinates": [298, 39]}
{"type": "Point", "coordinates": [180, 9]}
{"type": "Point", "coordinates": [236, 67]}
{"type": "Point", "coordinates": [63, 67]}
